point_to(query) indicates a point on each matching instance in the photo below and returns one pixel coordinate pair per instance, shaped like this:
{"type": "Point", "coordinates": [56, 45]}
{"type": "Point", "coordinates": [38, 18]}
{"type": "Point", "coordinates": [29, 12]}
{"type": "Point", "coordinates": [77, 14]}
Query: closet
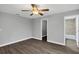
{"type": "Point", "coordinates": [44, 30]}
{"type": "Point", "coordinates": [71, 29]}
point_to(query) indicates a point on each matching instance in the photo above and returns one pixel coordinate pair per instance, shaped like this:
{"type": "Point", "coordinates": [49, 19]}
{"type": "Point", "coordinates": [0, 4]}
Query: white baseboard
{"type": "Point", "coordinates": [51, 41]}
{"type": "Point", "coordinates": [56, 42]}
{"type": "Point", "coordinates": [29, 38]}
{"type": "Point", "coordinates": [15, 41]}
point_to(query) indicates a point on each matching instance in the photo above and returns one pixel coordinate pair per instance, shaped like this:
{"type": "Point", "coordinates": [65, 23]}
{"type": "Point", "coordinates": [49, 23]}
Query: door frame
{"type": "Point", "coordinates": [71, 17]}
{"type": "Point", "coordinates": [41, 26]}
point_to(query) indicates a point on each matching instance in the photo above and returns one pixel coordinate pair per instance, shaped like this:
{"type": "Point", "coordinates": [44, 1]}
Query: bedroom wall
{"type": "Point", "coordinates": [14, 28]}
{"type": "Point", "coordinates": [36, 28]}
{"type": "Point", "coordinates": [55, 26]}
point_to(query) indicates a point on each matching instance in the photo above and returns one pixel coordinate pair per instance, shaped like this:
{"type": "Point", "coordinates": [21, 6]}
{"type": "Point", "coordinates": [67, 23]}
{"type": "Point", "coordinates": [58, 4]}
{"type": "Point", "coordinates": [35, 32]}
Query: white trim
{"type": "Point", "coordinates": [77, 30]}
{"type": "Point", "coordinates": [14, 42]}
{"type": "Point", "coordinates": [41, 27]}
{"type": "Point", "coordinates": [64, 32]}
{"type": "Point", "coordinates": [50, 41]}
{"type": "Point", "coordinates": [56, 42]}
{"type": "Point", "coordinates": [27, 39]}
{"type": "Point", "coordinates": [70, 17]}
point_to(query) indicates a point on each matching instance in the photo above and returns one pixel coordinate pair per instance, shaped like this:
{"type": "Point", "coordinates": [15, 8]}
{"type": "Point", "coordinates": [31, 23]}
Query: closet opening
{"type": "Point", "coordinates": [44, 30]}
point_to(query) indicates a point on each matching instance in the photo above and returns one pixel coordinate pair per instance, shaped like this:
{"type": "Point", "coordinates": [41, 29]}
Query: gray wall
{"type": "Point", "coordinates": [56, 26]}
{"type": "Point", "coordinates": [55, 30]}
{"type": "Point", "coordinates": [36, 28]}
{"type": "Point", "coordinates": [14, 28]}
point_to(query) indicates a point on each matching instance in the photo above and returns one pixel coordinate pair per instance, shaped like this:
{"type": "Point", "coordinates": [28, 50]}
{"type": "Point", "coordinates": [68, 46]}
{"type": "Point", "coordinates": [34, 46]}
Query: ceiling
{"type": "Point", "coordinates": [53, 8]}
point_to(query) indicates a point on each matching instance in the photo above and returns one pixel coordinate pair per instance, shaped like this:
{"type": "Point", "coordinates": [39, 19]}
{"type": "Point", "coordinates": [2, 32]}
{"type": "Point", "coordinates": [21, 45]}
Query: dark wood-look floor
{"type": "Point", "coordinates": [33, 46]}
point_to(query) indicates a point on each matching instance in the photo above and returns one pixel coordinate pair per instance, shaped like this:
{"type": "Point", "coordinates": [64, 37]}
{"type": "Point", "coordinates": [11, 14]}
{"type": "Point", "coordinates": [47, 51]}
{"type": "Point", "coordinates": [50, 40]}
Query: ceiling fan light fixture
{"type": "Point", "coordinates": [35, 12]}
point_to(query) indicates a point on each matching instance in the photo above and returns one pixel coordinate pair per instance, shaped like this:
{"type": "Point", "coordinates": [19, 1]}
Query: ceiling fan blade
{"type": "Point", "coordinates": [44, 10]}
{"type": "Point", "coordinates": [25, 10]}
{"type": "Point", "coordinates": [33, 5]}
{"type": "Point", "coordinates": [41, 14]}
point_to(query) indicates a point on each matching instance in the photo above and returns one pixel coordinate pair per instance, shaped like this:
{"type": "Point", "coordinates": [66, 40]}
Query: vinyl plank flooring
{"type": "Point", "coordinates": [34, 46]}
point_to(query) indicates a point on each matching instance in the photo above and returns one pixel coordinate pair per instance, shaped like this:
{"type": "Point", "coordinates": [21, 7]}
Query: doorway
{"type": "Point", "coordinates": [44, 30]}
{"type": "Point", "coordinates": [70, 32]}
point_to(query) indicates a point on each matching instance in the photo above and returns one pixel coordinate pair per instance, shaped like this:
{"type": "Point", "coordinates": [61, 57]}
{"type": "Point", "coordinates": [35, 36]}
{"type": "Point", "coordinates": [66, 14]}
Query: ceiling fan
{"type": "Point", "coordinates": [36, 10]}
